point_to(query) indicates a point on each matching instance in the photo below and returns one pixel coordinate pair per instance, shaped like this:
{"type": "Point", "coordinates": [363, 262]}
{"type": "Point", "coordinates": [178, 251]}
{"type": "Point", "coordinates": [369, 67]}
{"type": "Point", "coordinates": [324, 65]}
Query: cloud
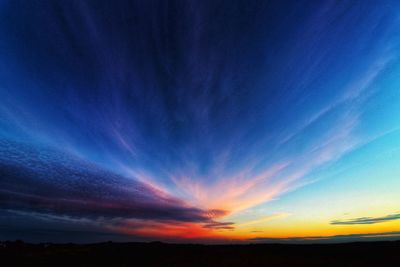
{"type": "Point", "coordinates": [367, 220]}
{"type": "Point", "coordinates": [233, 193]}
{"type": "Point", "coordinates": [332, 239]}
{"type": "Point", "coordinates": [44, 183]}
{"type": "Point", "coordinates": [264, 219]}
{"type": "Point", "coordinates": [220, 225]}
{"type": "Point", "coordinates": [205, 131]}
{"type": "Point", "coordinates": [169, 229]}
{"type": "Point", "coordinates": [217, 113]}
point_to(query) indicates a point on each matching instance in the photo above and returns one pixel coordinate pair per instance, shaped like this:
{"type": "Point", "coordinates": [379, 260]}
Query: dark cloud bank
{"type": "Point", "coordinates": [44, 184]}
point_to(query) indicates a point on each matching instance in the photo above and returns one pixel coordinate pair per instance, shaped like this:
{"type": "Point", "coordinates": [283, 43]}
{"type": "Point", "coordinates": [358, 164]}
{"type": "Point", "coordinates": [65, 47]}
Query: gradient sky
{"type": "Point", "coordinates": [199, 121]}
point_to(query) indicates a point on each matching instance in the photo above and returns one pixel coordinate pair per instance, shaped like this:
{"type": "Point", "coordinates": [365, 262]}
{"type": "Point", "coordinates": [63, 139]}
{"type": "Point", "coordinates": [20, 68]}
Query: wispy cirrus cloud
{"type": "Point", "coordinates": [264, 219]}
{"type": "Point", "coordinates": [165, 119]}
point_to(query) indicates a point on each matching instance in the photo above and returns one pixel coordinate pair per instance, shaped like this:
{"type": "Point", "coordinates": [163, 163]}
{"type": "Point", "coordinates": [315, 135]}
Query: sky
{"type": "Point", "coordinates": [199, 121]}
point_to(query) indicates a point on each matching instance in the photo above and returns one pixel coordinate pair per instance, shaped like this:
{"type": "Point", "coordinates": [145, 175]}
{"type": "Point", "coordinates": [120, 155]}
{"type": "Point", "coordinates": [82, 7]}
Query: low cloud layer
{"type": "Point", "coordinates": [331, 239]}
{"type": "Point", "coordinates": [55, 186]}
{"type": "Point", "coordinates": [368, 220]}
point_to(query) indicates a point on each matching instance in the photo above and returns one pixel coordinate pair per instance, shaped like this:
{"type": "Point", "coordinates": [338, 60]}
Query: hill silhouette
{"type": "Point", "coordinates": [18, 253]}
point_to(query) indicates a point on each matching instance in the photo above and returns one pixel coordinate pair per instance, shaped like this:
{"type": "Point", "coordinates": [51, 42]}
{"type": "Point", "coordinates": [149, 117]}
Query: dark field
{"type": "Point", "coordinates": [160, 254]}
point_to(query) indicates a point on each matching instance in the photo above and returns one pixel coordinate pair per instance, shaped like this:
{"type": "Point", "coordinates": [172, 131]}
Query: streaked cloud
{"type": "Point", "coordinates": [367, 220]}
{"type": "Point", "coordinates": [333, 238]}
{"type": "Point", "coordinates": [263, 220]}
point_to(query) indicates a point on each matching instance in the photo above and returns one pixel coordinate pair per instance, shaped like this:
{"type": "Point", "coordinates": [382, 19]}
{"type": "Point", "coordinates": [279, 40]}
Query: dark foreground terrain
{"type": "Point", "coordinates": [159, 254]}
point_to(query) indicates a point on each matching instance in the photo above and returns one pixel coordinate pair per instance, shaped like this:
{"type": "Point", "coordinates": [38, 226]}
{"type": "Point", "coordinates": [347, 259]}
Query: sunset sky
{"type": "Point", "coordinates": [199, 121]}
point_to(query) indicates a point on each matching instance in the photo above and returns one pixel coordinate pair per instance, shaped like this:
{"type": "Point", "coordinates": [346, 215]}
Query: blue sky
{"type": "Point", "coordinates": [208, 120]}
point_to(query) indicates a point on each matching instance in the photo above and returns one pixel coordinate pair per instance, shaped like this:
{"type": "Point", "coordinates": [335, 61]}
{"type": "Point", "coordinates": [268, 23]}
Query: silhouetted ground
{"type": "Point", "coordinates": [159, 254]}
